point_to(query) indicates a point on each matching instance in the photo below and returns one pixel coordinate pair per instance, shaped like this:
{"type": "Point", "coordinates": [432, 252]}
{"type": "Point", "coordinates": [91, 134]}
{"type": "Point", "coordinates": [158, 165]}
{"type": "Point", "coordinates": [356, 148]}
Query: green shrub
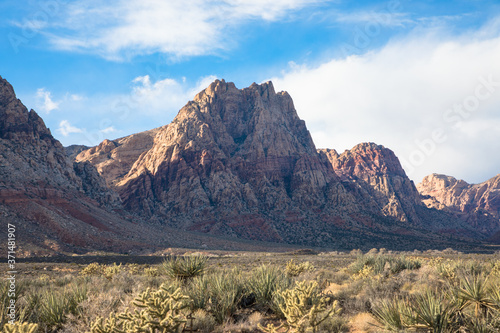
{"type": "Point", "coordinates": [265, 281]}
{"type": "Point", "coordinates": [226, 291]}
{"type": "Point", "coordinates": [53, 309]}
{"type": "Point", "coordinates": [185, 267]}
{"type": "Point", "coordinates": [393, 315]}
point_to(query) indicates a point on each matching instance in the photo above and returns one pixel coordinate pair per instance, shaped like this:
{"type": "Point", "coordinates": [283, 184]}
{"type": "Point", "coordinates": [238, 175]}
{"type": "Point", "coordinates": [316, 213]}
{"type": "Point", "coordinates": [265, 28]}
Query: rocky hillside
{"type": "Point", "coordinates": [375, 175]}
{"type": "Point", "coordinates": [240, 162]}
{"type": "Point", "coordinates": [57, 205]}
{"type": "Point", "coordinates": [235, 165]}
{"type": "Point", "coordinates": [479, 204]}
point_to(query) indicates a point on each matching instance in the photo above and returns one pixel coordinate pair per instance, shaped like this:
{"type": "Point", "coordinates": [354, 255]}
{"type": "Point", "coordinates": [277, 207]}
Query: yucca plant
{"type": "Point", "coordinates": [186, 267]}
{"type": "Point", "coordinates": [198, 290]}
{"type": "Point", "coordinates": [53, 309]}
{"type": "Point", "coordinates": [265, 281]}
{"type": "Point", "coordinates": [432, 312]}
{"type": "Point", "coordinates": [474, 291]}
{"type": "Point", "coordinates": [226, 290]}
{"type": "Point", "coordinates": [393, 315]}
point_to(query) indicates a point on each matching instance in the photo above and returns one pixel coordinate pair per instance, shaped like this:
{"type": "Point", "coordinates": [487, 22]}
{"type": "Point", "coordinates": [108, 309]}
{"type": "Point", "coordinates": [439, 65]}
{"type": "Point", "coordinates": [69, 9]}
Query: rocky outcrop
{"type": "Point", "coordinates": [73, 150]}
{"type": "Point", "coordinates": [57, 205]}
{"type": "Point", "coordinates": [230, 153]}
{"type": "Point", "coordinates": [479, 204]}
{"type": "Point", "coordinates": [375, 175]}
{"type": "Point", "coordinates": [114, 159]}
{"type": "Point", "coordinates": [234, 162]}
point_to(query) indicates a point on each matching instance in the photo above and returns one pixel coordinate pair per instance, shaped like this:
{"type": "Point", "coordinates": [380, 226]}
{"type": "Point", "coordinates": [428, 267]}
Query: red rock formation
{"type": "Point", "coordinates": [479, 203]}
{"type": "Point", "coordinates": [375, 174]}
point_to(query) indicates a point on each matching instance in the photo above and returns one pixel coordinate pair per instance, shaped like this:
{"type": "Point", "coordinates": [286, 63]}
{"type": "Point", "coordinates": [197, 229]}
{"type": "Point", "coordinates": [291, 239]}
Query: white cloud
{"type": "Point", "coordinates": [123, 28]}
{"type": "Point", "coordinates": [108, 130]}
{"type": "Point", "coordinates": [44, 100]}
{"type": "Point", "coordinates": [164, 95]}
{"type": "Point", "coordinates": [399, 95]}
{"type": "Point", "coordinates": [149, 103]}
{"type": "Point", "coordinates": [65, 128]}
{"type": "Point", "coordinates": [76, 97]}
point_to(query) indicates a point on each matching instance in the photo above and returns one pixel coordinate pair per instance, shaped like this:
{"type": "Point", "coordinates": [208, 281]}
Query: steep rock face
{"type": "Point", "coordinates": [480, 203]}
{"type": "Point", "coordinates": [230, 153]}
{"type": "Point", "coordinates": [114, 159]}
{"type": "Point", "coordinates": [374, 173]}
{"type": "Point", "coordinates": [56, 203]}
{"type": "Point", "coordinates": [241, 163]}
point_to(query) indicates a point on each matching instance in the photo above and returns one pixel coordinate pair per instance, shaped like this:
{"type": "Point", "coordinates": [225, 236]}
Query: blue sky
{"type": "Point", "coordinates": [419, 77]}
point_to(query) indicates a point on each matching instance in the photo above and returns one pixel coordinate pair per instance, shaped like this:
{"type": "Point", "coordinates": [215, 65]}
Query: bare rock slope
{"type": "Point", "coordinates": [240, 162]}
{"type": "Point", "coordinates": [479, 204]}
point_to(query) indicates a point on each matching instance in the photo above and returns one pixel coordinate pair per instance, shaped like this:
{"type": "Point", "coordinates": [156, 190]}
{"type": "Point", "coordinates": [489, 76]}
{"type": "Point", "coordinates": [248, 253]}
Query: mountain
{"type": "Point", "coordinates": [61, 206]}
{"type": "Point", "coordinates": [235, 169]}
{"type": "Point", "coordinates": [478, 204]}
{"type": "Point", "coordinates": [374, 173]}
{"type": "Point", "coordinates": [240, 163]}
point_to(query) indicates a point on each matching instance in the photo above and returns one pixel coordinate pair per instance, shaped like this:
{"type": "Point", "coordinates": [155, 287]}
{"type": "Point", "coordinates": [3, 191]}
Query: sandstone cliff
{"type": "Point", "coordinates": [479, 204]}
{"type": "Point", "coordinates": [374, 173]}
{"type": "Point", "coordinates": [240, 162]}
{"type": "Point", "coordinates": [56, 204]}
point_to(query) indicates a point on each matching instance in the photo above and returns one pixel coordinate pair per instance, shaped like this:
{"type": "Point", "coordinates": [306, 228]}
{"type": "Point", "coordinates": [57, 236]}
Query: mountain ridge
{"type": "Point", "coordinates": [235, 163]}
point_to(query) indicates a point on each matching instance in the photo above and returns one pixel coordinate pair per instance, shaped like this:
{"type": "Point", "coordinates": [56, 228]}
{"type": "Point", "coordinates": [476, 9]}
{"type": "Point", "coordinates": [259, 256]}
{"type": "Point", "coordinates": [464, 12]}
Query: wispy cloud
{"type": "Point", "coordinates": [45, 102]}
{"type": "Point", "coordinates": [402, 93]}
{"type": "Point", "coordinates": [123, 28]}
{"type": "Point", "coordinates": [382, 18]}
{"type": "Point", "coordinates": [108, 130]}
{"type": "Point", "coordinates": [65, 128]}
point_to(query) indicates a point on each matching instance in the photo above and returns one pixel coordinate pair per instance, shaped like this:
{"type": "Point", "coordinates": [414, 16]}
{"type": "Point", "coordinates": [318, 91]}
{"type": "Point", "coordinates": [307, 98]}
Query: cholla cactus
{"type": "Point", "coordinates": [109, 325]}
{"type": "Point", "coordinates": [20, 328]}
{"type": "Point", "coordinates": [161, 311]}
{"type": "Point", "coordinates": [303, 307]}
{"type": "Point", "coordinates": [293, 269]}
{"type": "Point", "coordinates": [92, 269]}
{"type": "Point", "coordinates": [111, 270]}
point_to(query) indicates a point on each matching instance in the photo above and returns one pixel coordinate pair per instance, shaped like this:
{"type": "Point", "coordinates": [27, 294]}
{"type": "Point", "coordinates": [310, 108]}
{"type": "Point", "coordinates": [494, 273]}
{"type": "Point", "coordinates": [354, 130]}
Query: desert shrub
{"type": "Point", "coordinates": [92, 269]}
{"type": "Point", "coordinates": [198, 290]}
{"type": "Point", "coordinates": [226, 290]}
{"type": "Point", "coordinates": [203, 321]}
{"type": "Point", "coordinates": [365, 265]}
{"type": "Point", "coordinates": [293, 269]}
{"type": "Point", "coordinates": [20, 328]}
{"type": "Point", "coordinates": [393, 314]}
{"type": "Point", "coordinates": [304, 307]}
{"type": "Point", "coordinates": [185, 267]}
{"type": "Point", "coordinates": [161, 311]}
{"type": "Point", "coordinates": [265, 281]}
{"type": "Point", "coordinates": [218, 293]}
{"type": "Point", "coordinates": [151, 271]}
{"type": "Point", "coordinates": [53, 309]}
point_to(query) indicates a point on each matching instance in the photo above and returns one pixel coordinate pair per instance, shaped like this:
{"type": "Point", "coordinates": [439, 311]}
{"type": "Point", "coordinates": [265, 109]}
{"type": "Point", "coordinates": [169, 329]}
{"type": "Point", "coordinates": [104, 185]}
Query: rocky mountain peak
{"type": "Point", "coordinates": [369, 159]}
{"type": "Point", "coordinates": [376, 173]}
{"type": "Point", "coordinates": [16, 123]}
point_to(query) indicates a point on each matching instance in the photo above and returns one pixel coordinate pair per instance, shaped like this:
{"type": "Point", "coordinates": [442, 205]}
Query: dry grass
{"type": "Point", "coordinates": [357, 282]}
